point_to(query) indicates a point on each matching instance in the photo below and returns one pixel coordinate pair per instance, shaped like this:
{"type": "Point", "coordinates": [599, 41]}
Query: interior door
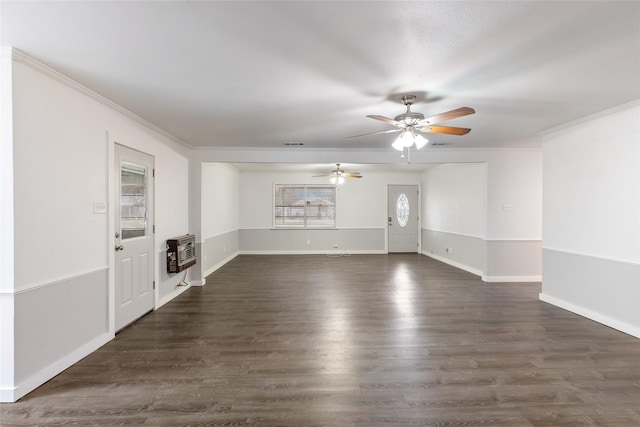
{"type": "Point", "coordinates": [134, 238]}
{"type": "Point", "coordinates": [403, 218]}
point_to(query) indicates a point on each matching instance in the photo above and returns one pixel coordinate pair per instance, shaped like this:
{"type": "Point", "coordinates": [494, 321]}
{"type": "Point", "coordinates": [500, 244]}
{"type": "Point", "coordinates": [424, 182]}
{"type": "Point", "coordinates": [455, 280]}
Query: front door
{"type": "Point", "coordinates": [403, 218]}
{"type": "Point", "coordinates": [134, 238]}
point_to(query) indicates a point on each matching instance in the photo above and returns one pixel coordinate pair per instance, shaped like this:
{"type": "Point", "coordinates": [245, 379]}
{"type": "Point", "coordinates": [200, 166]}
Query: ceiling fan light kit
{"type": "Point", "coordinates": [337, 176]}
{"type": "Point", "coordinates": [408, 138]}
{"type": "Point", "coordinates": [337, 180]}
{"type": "Point", "coordinates": [410, 123]}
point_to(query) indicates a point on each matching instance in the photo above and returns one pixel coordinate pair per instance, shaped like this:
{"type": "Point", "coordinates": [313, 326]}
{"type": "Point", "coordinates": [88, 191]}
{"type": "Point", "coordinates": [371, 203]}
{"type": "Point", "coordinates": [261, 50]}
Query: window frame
{"type": "Point", "coordinates": [305, 225]}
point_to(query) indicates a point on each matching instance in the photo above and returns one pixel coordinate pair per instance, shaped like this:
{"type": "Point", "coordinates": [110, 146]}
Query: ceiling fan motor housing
{"type": "Point", "coordinates": [409, 118]}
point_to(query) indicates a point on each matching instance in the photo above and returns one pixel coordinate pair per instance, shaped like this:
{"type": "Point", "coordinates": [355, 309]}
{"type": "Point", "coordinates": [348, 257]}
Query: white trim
{"type": "Point", "coordinates": [526, 239]}
{"type": "Point", "coordinates": [198, 282]}
{"type": "Point", "coordinates": [169, 297]}
{"type": "Point", "coordinates": [514, 279]}
{"type": "Point", "coordinates": [288, 227]}
{"type": "Point", "coordinates": [488, 239]}
{"type": "Point", "coordinates": [213, 236]}
{"type": "Point", "coordinates": [591, 117]}
{"type": "Point", "coordinates": [19, 56]}
{"type": "Point", "coordinates": [220, 264]}
{"type": "Point", "coordinates": [311, 228]}
{"type": "Point", "coordinates": [53, 283]}
{"type": "Point", "coordinates": [354, 150]}
{"type": "Point", "coordinates": [592, 315]}
{"type": "Point", "coordinates": [454, 263]}
{"type": "Point", "coordinates": [321, 252]}
{"type": "Point", "coordinates": [12, 394]}
{"type": "Point", "coordinates": [597, 257]}
{"type": "Point", "coordinates": [454, 233]}
{"type": "Point", "coordinates": [110, 142]}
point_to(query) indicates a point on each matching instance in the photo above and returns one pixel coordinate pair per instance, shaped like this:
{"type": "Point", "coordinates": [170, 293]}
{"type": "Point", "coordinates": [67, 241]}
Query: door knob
{"type": "Point", "coordinates": [119, 248]}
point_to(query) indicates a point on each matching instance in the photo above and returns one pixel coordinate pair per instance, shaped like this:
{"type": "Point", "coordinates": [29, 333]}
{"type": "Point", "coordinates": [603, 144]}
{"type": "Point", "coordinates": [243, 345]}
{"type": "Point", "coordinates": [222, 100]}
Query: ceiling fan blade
{"type": "Point", "coordinates": [449, 130]}
{"type": "Point", "coordinates": [374, 133]}
{"type": "Point", "coordinates": [442, 117]}
{"type": "Point", "coordinates": [352, 175]}
{"type": "Point", "coordinates": [387, 120]}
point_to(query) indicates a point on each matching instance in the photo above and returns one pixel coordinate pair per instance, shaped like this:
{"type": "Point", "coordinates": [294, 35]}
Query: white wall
{"type": "Point", "coordinates": [514, 235]}
{"type": "Point", "coordinates": [7, 326]}
{"type": "Point", "coordinates": [489, 215]}
{"type": "Point", "coordinates": [361, 205]}
{"type": "Point", "coordinates": [591, 235]}
{"type": "Point", "coordinates": [455, 198]}
{"type": "Point", "coordinates": [62, 138]}
{"type": "Point", "coordinates": [455, 214]}
{"type": "Point", "coordinates": [220, 199]}
{"type": "Point", "coordinates": [220, 205]}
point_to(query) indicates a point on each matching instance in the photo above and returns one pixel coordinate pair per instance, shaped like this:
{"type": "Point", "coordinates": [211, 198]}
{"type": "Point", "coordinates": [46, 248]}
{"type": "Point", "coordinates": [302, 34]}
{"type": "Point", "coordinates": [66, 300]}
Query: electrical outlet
{"type": "Point", "coordinates": [308, 241]}
{"type": "Point", "coordinates": [224, 249]}
{"type": "Point", "coordinates": [335, 246]}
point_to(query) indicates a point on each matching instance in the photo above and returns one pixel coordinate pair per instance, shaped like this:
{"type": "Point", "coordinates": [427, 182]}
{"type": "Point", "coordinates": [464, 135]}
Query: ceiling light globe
{"type": "Point", "coordinates": [407, 139]}
{"type": "Point", "coordinates": [333, 179]}
{"type": "Point", "coordinates": [397, 144]}
{"type": "Point", "coordinates": [420, 141]}
{"type": "Point", "coordinates": [340, 180]}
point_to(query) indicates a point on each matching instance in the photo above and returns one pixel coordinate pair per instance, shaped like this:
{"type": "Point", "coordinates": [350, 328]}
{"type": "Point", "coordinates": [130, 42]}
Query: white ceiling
{"type": "Point", "coordinates": [257, 74]}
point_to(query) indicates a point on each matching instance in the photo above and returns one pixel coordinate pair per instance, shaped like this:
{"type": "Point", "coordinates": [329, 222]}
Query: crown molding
{"type": "Point", "coordinates": [19, 56]}
{"type": "Point", "coordinates": [591, 117]}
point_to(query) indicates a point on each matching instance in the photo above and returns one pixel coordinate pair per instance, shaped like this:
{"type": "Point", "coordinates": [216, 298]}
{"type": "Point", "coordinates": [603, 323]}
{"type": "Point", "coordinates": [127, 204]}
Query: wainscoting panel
{"type": "Point", "coordinates": [603, 290]}
{"type": "Point", "coordinates": [216, 251]}
{"type": "Point", "coordinates": [514, 260]}
{"type": "Point", "coordinates": [465, 252]}
{"type": "Point", "coordinates": [352, 240]}
{"type": "Point", "coordinates": [57, 324]}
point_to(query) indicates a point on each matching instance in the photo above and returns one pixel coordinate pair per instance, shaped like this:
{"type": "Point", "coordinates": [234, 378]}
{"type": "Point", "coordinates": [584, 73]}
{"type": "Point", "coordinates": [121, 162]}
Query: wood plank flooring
{"type": "Point", "coordinates": [366, 340]}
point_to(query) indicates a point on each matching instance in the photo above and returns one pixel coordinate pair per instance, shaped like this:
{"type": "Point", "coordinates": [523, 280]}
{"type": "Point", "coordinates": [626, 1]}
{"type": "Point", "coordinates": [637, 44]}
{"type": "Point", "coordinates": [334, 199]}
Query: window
{"type": "Point", "coordinates": [305, 206]}
{"type": "Point", "coordinates": [402, 210]}
{"type": "Point", "coordinates": [133, 200]}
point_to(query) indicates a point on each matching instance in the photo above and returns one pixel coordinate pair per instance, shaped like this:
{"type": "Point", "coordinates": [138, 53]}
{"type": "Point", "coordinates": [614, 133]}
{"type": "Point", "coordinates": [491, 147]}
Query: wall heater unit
{"type": "Point", "coordinates": [181, 253]}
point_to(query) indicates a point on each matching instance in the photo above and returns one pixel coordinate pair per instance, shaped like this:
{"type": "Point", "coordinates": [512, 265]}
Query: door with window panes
{"type": "Point", "coordinates": [134, 239]}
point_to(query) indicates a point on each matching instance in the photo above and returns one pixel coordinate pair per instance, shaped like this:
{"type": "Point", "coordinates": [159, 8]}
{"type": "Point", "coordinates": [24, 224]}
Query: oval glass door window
{"type": "Point", "coordinates": [402, 210]}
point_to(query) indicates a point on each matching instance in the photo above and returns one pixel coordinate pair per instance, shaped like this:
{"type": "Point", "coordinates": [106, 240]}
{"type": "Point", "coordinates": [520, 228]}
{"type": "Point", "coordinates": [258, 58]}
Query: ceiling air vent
{"type": "Point", "coordinates": [293, 144]}
{"type": "Point", "coordinates": [439, 144]}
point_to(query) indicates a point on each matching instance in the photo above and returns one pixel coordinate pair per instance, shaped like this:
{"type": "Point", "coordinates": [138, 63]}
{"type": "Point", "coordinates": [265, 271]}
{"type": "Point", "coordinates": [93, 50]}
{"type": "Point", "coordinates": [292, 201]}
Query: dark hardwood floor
{"type": "Point", "coordinates": [366, 340]}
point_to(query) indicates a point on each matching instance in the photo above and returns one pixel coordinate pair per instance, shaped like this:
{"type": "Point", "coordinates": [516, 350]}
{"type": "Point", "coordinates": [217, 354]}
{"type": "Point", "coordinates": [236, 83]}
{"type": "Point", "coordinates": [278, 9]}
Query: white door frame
{"type": "Point", "coordinates": [419, 211]}
{"type": "Point", "coordinates": [112, 184]}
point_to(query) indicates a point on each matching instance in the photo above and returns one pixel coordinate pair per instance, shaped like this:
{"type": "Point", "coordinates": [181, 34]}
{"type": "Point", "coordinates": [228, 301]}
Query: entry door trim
{"type": "Point", "coordinates": [113, 183]}
{"type": "Point", "coordinates": [418, 212]}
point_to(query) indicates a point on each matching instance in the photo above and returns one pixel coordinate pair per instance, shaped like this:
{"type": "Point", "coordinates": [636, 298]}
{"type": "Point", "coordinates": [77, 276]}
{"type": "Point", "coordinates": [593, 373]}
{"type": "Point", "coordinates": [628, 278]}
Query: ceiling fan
{"type": "Point", "coordinates": [409, 123]}
{"type": "Point", "coordinates": [338, 175]}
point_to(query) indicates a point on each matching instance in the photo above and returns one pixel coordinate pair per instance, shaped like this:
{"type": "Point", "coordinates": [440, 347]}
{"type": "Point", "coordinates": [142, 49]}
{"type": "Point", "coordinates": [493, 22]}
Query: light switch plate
{"type": "Point", "coordinates": [99, 207]}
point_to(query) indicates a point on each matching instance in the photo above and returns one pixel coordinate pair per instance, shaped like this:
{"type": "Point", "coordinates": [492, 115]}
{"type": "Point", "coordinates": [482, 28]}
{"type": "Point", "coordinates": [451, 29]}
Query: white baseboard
{"type": "Point", "coordinates": [515, 279]}
{"type": "Point", "coordinates": [454, 264]}
{"type": "Point", "coordinates": [218, 265]}
{"type": "Point", "coordinates": [322, 252]}
{"type": "Point", "coordinates": [165, 299]}
{"type": "Point", "coordinates": [592, 315]}
{"type": "Point", "coordinates": [12, 394]}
